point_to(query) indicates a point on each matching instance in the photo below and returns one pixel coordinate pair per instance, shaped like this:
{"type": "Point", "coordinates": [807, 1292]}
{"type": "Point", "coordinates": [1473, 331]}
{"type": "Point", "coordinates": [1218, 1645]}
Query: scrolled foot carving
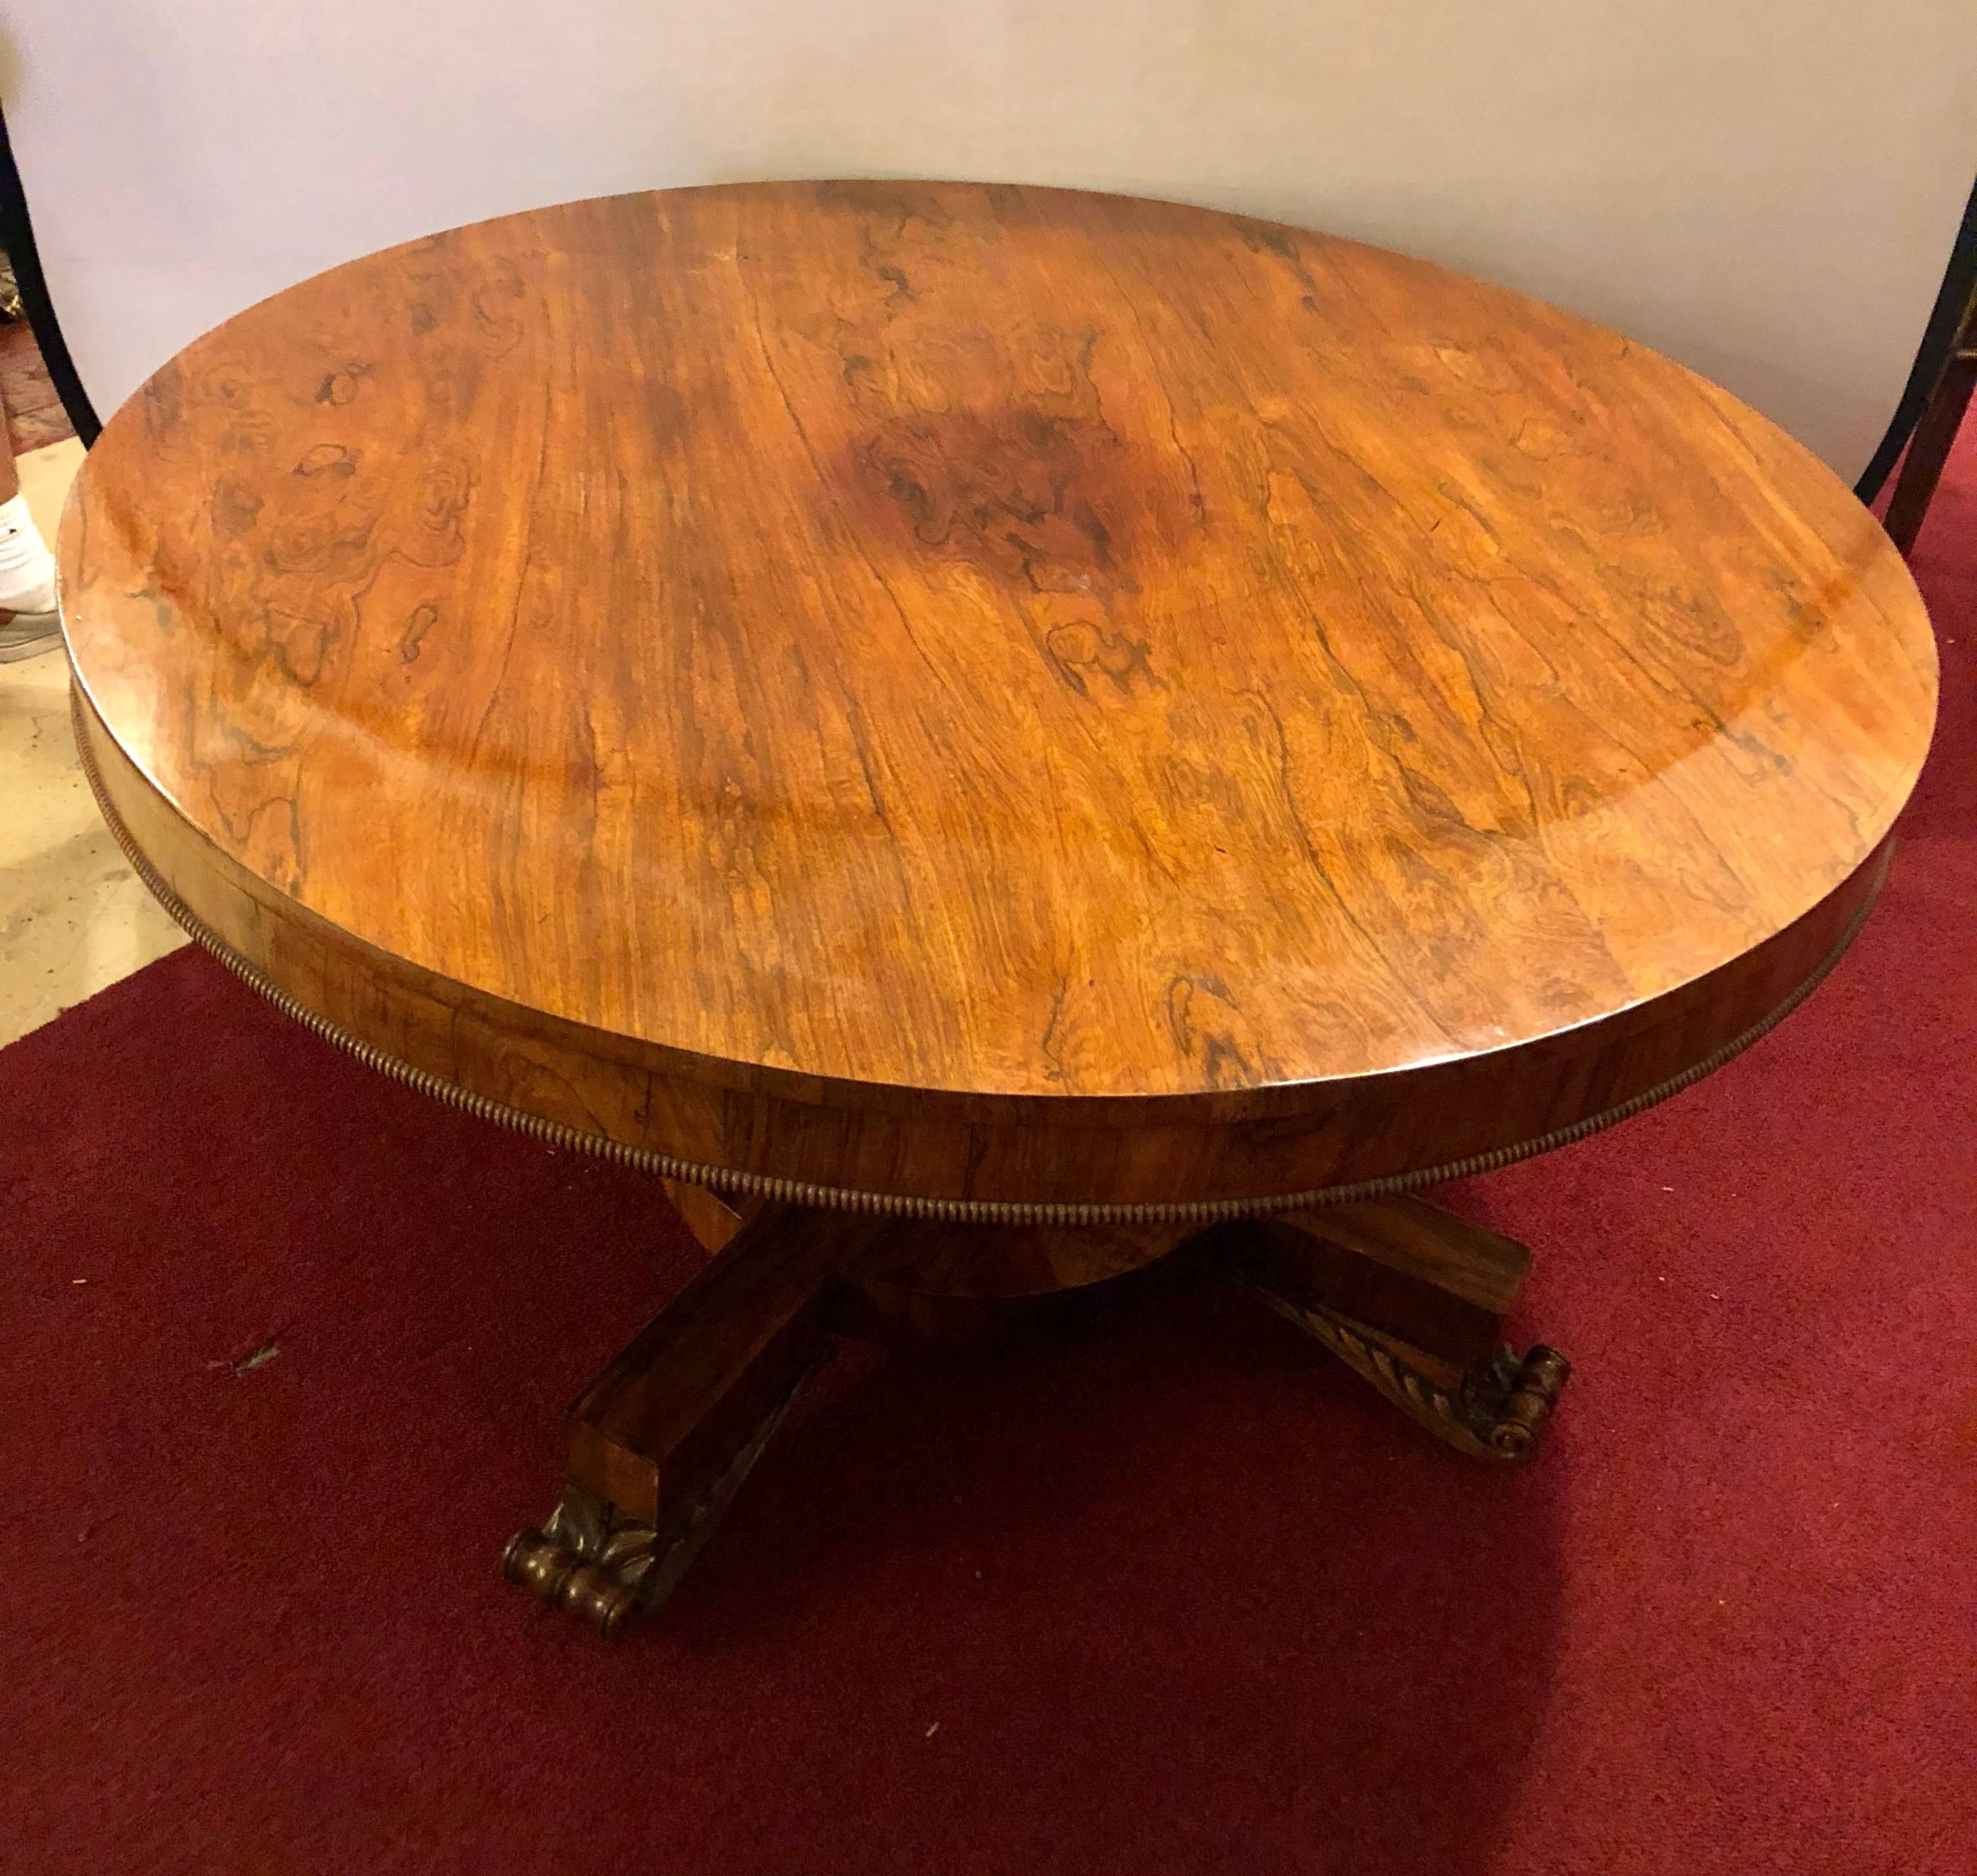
{"type": "Point", "coordinates": [584, 1560]}
{"type": "Point", "coordinates": [1500, 1415]}
{"type": "Point", "coordinates": [590, 1561]}
{"type": "Point", "coordinates": [1529, 1389]}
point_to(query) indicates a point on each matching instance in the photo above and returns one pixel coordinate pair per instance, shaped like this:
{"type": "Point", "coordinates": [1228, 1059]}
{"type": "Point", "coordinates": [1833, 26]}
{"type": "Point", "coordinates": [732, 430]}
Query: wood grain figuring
{"type": "Point", "coordinates": [1400, 1267]}
{"type": "Point", "coordinates": [972, 691]}
{"type": "Point", "coordinates": [1419, 1241]}
{"type": "Point", "coordinates": [960, 1260]}
{"type": "Point", "coordinates": [661, 1421]}
{"type": "Point", "coordinates": [711, 1219]}
{"type": "Point", "coordinates": [996, 1160]}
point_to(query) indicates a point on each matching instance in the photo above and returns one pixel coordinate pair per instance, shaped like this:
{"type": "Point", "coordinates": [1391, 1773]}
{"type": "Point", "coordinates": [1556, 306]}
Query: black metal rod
{"type": "Point", "coordinates": [17, 236]}
{"type": "Point", "coordinates": [1937, 339]}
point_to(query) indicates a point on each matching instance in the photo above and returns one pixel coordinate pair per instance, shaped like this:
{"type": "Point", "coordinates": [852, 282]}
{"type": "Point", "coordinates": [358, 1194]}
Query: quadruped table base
{"type": "Point", "coordinates": [1409, 1296]}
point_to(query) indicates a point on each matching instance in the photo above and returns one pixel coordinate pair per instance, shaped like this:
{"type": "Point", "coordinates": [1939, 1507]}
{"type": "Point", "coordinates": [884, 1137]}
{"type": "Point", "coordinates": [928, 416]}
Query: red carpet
{"type": "Point", "coordinates": [1186, 1598]}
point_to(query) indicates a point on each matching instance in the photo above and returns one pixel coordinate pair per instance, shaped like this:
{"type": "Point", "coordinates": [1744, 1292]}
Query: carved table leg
{"type": "Point", "coordinates": [1412, 1298]}
{"type": "Point", "coordinates": [660, 1440]}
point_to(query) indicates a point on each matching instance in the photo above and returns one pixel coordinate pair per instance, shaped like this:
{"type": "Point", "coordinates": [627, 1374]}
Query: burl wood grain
{"type": "Point", "coordinates": [991, 658]}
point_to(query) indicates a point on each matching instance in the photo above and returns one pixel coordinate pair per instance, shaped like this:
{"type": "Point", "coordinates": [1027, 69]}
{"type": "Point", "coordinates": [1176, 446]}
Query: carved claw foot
{"type": "Point", "coordinates": [586, 1561]}
{"type": "Point", "coordinates": [1518, 1415]}
{"type": "Point", "coordinates": [591, 1561]}
{"type": "Point", "coordinates": [661, 1440]}
{"type": "Point", "coordinates": [1499, 1415]}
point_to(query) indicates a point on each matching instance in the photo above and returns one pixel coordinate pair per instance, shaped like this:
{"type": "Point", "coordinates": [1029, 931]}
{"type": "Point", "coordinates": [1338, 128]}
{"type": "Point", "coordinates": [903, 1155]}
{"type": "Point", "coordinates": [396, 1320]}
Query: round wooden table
{"type": "Point", "coordinates": [1009, 742]}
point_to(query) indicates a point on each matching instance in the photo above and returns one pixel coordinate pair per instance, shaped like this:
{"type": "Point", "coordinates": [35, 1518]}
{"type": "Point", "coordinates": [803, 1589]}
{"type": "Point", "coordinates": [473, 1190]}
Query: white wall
{"type": "Point", "coordinates": [1766, 188]}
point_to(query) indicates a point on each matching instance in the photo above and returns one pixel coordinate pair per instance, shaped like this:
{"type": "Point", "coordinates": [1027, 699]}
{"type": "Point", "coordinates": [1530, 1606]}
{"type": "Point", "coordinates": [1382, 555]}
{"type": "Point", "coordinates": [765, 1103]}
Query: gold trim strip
{"type": "Point", "coordinates": [947, 1211]}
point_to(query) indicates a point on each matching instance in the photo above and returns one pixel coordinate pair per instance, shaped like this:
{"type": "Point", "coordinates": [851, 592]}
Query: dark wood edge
{"type": "Point", "coordinates": [550, 1078]}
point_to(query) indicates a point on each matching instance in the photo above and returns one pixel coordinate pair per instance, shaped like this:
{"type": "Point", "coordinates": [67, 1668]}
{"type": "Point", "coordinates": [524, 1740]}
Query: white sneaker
{"type": "Point", "coordinates": [29, 624]}
{"type": "Point", "coordinates": [28, 634]}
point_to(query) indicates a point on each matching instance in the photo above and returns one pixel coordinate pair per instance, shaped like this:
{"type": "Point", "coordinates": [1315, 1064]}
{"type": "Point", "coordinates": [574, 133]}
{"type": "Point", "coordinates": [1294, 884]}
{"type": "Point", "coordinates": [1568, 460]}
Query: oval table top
{"type": "Point", "coordinates": [879, 641]}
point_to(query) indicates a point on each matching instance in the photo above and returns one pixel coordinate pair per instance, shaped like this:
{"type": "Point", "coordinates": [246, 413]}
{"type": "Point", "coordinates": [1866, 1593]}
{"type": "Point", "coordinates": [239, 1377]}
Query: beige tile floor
{"type": "Point", "coordinates": [73, 918]}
